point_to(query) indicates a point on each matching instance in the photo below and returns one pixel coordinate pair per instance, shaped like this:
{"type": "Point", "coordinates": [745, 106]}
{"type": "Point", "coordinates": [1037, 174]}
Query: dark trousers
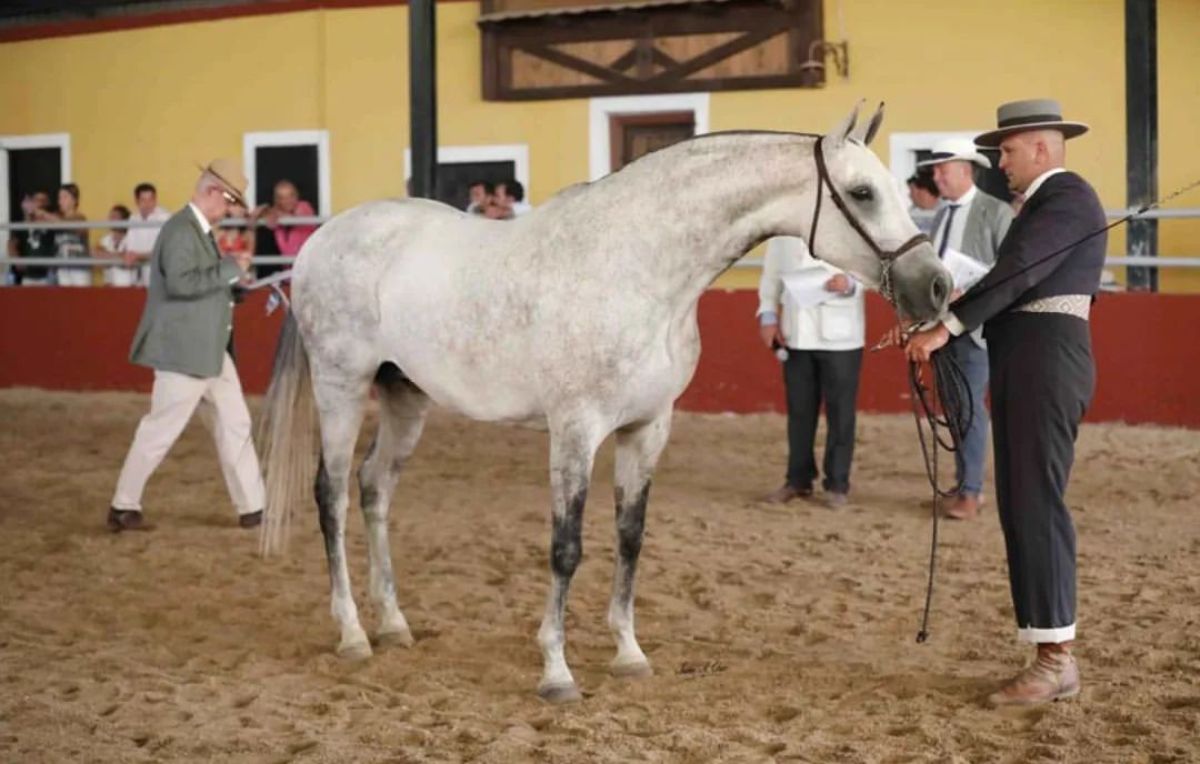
{"type": "Point", "coordinates": [810, 378]}
{"type": "Point", "coordinates": [1042, 381]}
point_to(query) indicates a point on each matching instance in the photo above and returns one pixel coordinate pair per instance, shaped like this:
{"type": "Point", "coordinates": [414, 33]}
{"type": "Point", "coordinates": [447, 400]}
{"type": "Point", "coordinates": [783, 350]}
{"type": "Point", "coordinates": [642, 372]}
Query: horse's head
{"type": "Point", "coordinates": [861, 225]}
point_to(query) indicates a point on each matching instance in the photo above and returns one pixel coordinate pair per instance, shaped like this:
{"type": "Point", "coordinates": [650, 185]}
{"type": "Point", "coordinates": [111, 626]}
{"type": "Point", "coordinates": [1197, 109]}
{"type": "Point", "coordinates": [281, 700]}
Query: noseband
{"type": "Point", "coordinates": [887, 258]}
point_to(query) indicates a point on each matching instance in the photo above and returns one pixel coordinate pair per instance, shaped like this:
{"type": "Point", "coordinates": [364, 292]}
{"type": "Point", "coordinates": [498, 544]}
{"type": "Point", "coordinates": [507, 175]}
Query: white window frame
{"type": "Point", "coordinates": [517, 153]}
{"type": "Point", "coordinates": [601, 109]}
{"type": "Point", "coordinates": [60, 141]}
{"type": "Point", "coordinates": [319, 138]}
{"type": "Point", "coordinates": [903, 148]}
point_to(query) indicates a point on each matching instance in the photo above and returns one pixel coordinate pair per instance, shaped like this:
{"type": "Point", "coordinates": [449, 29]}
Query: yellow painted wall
{"type": "Point", "coordinates": [147, 104]}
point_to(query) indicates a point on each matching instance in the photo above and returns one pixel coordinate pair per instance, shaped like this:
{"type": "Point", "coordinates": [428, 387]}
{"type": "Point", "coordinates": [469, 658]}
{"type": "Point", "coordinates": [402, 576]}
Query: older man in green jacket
{"type": "Point", "coordinates": [186, 336]}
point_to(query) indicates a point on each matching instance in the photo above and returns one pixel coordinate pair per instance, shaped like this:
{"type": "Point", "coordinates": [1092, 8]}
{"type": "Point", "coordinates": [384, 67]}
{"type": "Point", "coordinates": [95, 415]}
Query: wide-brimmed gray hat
{"type": "Point", "coordinates": [1033, 114]}
{"type": "Point", "coordinates": [955, 150]}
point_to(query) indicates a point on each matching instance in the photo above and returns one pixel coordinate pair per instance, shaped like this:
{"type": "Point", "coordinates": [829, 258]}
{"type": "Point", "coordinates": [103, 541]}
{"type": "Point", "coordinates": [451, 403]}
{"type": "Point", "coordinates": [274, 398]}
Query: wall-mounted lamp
{"type": "Point", "coordinates": [814, 66]}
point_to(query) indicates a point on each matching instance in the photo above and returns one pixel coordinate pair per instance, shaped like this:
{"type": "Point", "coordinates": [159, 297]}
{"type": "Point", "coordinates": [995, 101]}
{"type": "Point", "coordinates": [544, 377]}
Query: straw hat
{"type": "Point", "coordinates": [229, 173]}
{"type": "Point", "coordinates": [955, 150]}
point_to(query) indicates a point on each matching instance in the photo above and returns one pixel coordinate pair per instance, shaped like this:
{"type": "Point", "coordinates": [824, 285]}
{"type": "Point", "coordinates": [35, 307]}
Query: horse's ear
{"type": "Point", "coordinates": [873, 127]}
{"type": "Point", "coordinates": [843, 129]}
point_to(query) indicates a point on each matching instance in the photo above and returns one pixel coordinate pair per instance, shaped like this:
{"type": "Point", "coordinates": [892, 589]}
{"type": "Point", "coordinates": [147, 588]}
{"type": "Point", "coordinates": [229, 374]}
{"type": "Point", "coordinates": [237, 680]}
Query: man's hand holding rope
{"type": "Point", "coordinates": [921, 346]}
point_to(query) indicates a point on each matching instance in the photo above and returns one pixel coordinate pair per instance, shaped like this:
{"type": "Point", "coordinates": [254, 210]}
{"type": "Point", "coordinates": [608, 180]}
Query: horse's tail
{"type": "Point", "coordinates": [285, 436]}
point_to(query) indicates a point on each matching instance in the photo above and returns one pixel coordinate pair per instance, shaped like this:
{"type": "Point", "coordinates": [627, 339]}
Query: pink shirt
{"type": "Point", "coordinates": [289, 239]}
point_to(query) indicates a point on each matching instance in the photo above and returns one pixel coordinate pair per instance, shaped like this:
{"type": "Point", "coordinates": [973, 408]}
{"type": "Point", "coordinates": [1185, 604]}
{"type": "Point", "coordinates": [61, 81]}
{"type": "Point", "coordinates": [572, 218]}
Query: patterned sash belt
{"type": "Point", "coordinates": [1076, 305]}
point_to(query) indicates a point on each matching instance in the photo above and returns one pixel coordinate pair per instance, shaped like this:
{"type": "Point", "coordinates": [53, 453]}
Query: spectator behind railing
{"type": "Point", "coordinates": [235, 240]}
{"type": "Point", "coordinates": [112, 245]}
{"type": "Point", "coordinates": [479, 194]}
{"type": "Point", "coordinates": [139, 242]}
{"type": "Point", "coordinates": [511, 195]}
{"type": "Point", "coordinates": [287, 203]}
{"type": "Point", "coordinates": [70, 243]}
{"type": "Point", "coordinates": [33, 243]}
{"type": "Point", "coordinates": [494, 209]}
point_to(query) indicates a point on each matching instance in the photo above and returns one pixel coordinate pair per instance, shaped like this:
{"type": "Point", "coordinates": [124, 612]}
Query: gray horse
{"type": "Point", "coordinates": [579, 318]}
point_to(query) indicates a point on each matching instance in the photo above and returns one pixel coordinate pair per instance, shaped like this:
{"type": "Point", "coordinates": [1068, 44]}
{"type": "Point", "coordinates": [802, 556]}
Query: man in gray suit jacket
{"type": "Point", "coordinates": [186, 336]}
{"type": "Point", "coordinates": [973, 223]}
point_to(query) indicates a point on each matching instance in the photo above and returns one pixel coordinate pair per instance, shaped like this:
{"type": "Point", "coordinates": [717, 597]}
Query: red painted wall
{"type": "Point", "coordinates": [1146, 354]}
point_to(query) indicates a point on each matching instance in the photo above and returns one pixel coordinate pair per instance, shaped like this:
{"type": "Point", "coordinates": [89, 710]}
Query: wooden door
{"type": "Point", "coordinates": [635, 135]}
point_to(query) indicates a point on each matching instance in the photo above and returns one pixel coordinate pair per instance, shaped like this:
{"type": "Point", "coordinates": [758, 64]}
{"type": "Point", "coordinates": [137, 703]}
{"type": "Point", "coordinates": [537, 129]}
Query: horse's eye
{"type": "Point", "coordinates": [862, 194]}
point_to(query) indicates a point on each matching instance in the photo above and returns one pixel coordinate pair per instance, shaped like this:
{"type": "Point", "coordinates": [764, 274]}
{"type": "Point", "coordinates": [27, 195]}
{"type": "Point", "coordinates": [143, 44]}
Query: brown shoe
{"type": "Point", "coordinates": [836, 499]}
{"type": "Point", "coordinates": [965, 507]}
{"type": "Point", "coordinates": [785, 493]}
{"type": "Point", "coordinates": [1053, 676]}
{"type": "Point", "coordinates": [126, 520]}
{"type": "Point", "coordinates": [250, 519]}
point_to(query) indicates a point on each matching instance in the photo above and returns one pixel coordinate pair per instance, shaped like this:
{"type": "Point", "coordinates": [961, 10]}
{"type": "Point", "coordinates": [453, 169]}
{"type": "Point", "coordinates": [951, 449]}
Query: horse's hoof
{"type": "Point", "coordinates": [402, 638]}
{"type": "Point", "coordinates": [634, 670]}
{"type": "Point", "coordinates": [356, 651]}
{"type": "Point", "coordinates": [559, 693]}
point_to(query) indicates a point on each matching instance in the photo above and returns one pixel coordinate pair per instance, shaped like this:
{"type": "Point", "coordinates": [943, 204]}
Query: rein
{"type": "Point", "coordinates": [887, 258]}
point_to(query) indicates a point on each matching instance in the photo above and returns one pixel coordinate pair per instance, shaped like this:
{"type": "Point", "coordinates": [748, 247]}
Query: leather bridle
{"type": "Point", "coordinates": [887, 258]}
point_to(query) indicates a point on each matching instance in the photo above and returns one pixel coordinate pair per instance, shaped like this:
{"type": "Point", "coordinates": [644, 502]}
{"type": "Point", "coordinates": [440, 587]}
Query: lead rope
{"type": "Point", "coordinates": [953, 394]}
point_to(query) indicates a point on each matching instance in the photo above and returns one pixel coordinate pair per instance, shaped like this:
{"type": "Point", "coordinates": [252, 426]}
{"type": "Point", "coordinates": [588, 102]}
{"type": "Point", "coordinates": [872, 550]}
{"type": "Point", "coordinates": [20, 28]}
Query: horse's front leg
{"type": "Point", "coordinates": [638, 449]}
{"type": "Point", "coordinates": [572, 451]}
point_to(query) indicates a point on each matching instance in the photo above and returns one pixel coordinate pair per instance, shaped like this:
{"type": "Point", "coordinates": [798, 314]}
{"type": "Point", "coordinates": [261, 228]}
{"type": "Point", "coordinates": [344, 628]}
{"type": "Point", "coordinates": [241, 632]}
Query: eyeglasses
{"type": "Point", "coordinates": [229, 197]}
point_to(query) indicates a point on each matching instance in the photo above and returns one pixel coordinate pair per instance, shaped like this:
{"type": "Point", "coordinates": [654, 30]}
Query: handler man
{"type": "Point", "coordinates": [186, 336]}
{"type": "Point", "coordinates": [1033, 306]}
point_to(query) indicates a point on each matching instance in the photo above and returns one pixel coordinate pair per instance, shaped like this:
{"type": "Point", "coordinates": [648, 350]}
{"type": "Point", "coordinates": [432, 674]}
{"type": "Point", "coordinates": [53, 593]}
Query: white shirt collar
{"type": "Point", "coordinates": [1039, 180]}
{"type": "Point", "coordinates": [966, 199]}
{"type": "Point", "coordinates": [205, 226]}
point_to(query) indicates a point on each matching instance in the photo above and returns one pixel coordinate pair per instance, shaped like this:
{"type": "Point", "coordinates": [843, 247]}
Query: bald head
{"type": "Point", "coordinates": [1026, 155]}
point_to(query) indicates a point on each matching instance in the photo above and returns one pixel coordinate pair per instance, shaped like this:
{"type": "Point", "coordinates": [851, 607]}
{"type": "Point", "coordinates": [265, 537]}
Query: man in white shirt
{"type": "Point", "coordinates": [823, 345]}
{"type": "Point", "coordinates": [973, 223]}
{"type": "Point", "coordinates": [139, 242]}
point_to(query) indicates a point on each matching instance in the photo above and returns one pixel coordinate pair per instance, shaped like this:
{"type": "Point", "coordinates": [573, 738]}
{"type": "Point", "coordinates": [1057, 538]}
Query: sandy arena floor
{"type": "Point", "coordinates": [777, 634]}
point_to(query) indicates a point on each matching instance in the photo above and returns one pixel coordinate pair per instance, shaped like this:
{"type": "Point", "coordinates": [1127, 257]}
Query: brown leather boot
{"type": "Point", "coordinates": [785, 493]}
{"type": "Point", "coordinates": [965, 507]}
{"type": "Point", "coordinates": [1053, 676]}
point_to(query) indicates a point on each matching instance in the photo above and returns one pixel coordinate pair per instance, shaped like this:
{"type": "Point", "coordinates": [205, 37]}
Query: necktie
{"type": "Point", "coordinates": [946, 231]}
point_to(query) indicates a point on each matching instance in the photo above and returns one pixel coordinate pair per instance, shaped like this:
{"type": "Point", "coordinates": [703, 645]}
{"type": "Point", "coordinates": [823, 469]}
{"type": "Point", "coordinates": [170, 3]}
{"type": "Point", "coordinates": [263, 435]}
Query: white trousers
{"type": "Point", "coordinates": [222, 409]}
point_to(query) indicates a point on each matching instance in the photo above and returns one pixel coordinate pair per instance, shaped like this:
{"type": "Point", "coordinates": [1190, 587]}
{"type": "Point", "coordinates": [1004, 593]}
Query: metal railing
{"type": "Point", "coordinates": [1144, 261]}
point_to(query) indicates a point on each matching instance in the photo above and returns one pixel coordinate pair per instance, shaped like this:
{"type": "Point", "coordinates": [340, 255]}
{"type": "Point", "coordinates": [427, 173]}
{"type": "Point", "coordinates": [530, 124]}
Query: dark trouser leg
{"type": "Point", "coordinates": [1042, 392]}
{"type": "Point", "coordinates": [970, 459]}
{"type": "Point", "coordinates": [838, 371]}
{"type": "Point", "coordinates": [802, 385]}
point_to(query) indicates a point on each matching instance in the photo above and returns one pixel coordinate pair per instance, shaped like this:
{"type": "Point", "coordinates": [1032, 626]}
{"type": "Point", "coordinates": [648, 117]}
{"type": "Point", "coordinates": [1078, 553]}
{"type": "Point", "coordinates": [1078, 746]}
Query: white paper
{"type": "Point", "coordinates": [806, 287]}
{"type": "Point", "coordinates": [965, 269]}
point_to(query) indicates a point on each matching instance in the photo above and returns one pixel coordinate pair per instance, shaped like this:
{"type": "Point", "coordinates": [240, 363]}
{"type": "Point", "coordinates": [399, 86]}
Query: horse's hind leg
{"type": "Point", "coordinates": [401, 420]}
{"type": "Point", "coordinates": [340, 404]}
{"type": "Point", "coordinates": [638, 449]}
{"type": "Point", "coordinates": [572, 452]}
